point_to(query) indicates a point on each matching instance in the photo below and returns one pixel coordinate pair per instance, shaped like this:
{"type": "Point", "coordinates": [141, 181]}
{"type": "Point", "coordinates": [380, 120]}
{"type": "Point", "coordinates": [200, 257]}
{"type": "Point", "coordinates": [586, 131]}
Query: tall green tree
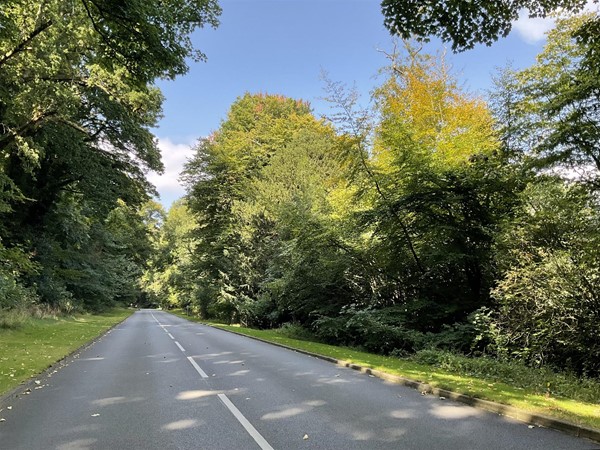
{"type": "Point", "coordinates": [169, 278]}
{"type": "Point", "coordinates": [549, 112]}
{"type": "Point", "coordinates": [77, 102]}
{"type": "Point", "coordinates": [438, 188]}
{"type": "Point", "coordinates": [219, 174]}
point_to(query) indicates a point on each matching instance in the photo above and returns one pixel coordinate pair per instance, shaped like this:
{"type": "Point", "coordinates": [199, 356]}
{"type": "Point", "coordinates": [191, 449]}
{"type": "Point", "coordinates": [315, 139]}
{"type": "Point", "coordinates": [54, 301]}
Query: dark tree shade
{"type": "Point", "coordinates": [464, 23]}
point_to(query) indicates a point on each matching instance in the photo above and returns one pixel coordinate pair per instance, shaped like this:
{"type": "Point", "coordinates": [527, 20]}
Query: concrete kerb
{"type": "Point", "coordinates": [498, 408]}
{"type": "Point", "coordinates": [30, 384]}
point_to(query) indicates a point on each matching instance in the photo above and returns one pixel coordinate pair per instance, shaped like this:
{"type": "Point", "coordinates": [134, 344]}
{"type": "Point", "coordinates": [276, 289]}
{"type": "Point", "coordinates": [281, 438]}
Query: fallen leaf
{"type": "Point", "coordinates": [530, 427]}
{"type": "Point", "coordinates": [442, 398]}
{"type": "Point", "coordinates": [9, 407]}
{"type": "Point", "coordinates": [305, 437]}
{"type": "Point", "coordinates": [3, 420]}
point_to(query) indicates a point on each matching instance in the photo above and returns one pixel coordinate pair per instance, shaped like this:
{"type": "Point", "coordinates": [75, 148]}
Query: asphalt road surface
{"type": "Point", "coordinates": [157, 381]}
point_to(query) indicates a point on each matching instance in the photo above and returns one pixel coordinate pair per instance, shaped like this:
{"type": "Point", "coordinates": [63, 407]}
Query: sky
{"type": "Point", "coordinates": [282, 47]}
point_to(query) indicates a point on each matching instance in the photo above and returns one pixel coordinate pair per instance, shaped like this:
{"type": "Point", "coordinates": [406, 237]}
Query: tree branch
{"type": "Point", "coordinates": [23, 45]}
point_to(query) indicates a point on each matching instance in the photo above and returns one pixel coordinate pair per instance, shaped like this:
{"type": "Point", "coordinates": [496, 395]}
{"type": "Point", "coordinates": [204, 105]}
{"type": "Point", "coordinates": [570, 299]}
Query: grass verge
{"type": "Point", "coordinates": [28, 350]}
{"type": "Point", "coordinates": [584, 413]}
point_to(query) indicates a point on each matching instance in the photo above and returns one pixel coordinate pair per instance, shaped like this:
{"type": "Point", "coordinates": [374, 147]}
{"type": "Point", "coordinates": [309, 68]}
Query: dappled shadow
{"type": "Point", "coordinates": [109, 401]}
{"type": "Point", "coordinates": [290, 411]}
{"type": "Point", "coordinates": [181, 424]}
{"type": "Point", "coordinates": [78, 444]}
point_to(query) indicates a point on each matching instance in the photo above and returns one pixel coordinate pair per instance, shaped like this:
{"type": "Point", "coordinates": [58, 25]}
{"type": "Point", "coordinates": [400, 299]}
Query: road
{"type": "Point", "coordinates": [157, 381]}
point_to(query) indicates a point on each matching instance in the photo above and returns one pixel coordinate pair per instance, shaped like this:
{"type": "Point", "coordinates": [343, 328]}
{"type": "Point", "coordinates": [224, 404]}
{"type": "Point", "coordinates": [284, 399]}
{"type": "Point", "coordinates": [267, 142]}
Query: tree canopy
{"type": "Point", "coordinates": [465, 23]}
{"type": "Point", "coordinates": [77, 104]}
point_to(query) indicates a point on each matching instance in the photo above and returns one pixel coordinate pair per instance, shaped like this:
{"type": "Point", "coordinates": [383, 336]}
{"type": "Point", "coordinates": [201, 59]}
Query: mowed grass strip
{"type": "Point", "coordinates": [39, 343]}
{"type": "Point", "coordinates": [578, 412]}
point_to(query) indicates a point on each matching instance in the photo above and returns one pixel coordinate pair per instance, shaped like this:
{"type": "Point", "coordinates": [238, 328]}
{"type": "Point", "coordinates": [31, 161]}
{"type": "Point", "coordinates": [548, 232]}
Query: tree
{"type": "Point", "coordinates": [219, 174]}
{"type": "Point", "coordinates": [299, 255]}
{"type": "Point", "coordinates": [465, 23]}
{"type": "Point", "coordinates": [553, 106]}
{"type": "Point", "coordinates": [77, 102]}
{"type": "Point", "coordinates": [439, 187]}
{"type": "Point", "coordinates": [169, 278]}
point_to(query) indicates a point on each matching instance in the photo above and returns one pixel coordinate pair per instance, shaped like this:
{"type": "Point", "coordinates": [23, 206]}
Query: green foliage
{"type": "Point", "coordinates": [14, 295]}
{"type": "Point", "coordinates": [253, 223]}
{"type": "Point", "coordinates": [465, 23]}
{"type": "Point", "coordinates": [419, 225]}
{"type": "Point", "coordinates": [549, 109]}
{"type": "Point", "coordinates": [77, 102]}
{"type": "Point", "coordinates": [371, 330]}
{"type": "Point", "coordinates": [548, 297]}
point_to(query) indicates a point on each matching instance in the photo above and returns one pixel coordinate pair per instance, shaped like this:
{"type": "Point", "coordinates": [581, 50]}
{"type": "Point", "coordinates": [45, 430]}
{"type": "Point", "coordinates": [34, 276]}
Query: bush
{"type": "Point", "coordinates": [547, 300]}
{"type": "Point", "coordinates": [369, 330]}
{"type": "Point", "coordinates": [261, 313]}
{"type": "Point", "coordinates": [13, 295]}
{"type": "Point", "coordinates": [296, 331]}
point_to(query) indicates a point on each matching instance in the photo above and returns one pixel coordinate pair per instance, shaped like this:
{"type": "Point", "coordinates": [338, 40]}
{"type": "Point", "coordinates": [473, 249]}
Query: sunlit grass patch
{"type": "Point", "coordinates": [37, 344]}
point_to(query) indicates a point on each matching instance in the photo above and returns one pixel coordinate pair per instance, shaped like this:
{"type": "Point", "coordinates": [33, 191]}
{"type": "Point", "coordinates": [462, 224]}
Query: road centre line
{"type": "Point", "coordinates": [253, 432]}
{"type": "Point", "coordinates": [180, 347]}
{"type": "Point", "coordinates": [197, 367]}
{"type": "Point", "coordinates": [261, 441]}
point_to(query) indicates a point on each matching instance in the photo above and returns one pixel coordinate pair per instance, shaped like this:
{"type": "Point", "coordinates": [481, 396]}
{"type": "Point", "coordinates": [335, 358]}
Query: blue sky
{"type": "Point", "coordinates": [281, 47]}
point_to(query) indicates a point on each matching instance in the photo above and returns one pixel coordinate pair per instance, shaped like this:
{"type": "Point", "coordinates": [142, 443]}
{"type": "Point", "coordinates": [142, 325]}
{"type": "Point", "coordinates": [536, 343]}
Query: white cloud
{"type": "Point", "coordinates": [532, 30]}
{"type": "Point", "coordinates": [174, 157]}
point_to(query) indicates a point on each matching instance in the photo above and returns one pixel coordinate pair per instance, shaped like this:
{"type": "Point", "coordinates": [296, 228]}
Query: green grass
{"type": "Point", "coordinates": [27, 350]}
{"type": "Point", "coordinates": [586, 413]}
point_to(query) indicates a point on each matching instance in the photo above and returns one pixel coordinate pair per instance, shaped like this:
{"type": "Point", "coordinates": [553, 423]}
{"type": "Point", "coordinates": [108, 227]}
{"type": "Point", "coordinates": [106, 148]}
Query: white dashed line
{"type": "Point", "coordinates": [197, 367]}
{"type": "Point", "coordinates": [253, 432]}
{"type": "Point", "coordinates": [261, 441]}
{"type": "Point", "coordinates": [180, 347]}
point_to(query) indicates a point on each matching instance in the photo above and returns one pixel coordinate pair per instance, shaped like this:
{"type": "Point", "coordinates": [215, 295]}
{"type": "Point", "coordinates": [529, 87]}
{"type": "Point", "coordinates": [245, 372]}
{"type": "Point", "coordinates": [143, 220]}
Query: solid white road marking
{"type": "Point", "coordinates": [197, 367]}
{"type": "Point", "coordinates": [261, 441]}
{"type": "Point", "coordinates": [180, 347]}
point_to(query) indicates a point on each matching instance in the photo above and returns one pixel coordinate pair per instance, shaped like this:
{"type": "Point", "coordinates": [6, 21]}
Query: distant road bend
{"type": "Point", "coordinates": [160, 382]}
